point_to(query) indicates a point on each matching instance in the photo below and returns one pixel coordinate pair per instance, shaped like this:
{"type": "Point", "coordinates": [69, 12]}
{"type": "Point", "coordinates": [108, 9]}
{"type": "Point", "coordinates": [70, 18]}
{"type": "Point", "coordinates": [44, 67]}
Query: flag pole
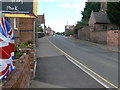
{"type": "Point", "coordinates": [1, 15]}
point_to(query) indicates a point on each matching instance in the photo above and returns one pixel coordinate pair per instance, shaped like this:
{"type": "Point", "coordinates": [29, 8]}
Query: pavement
{"type": "Point", "coordinates": [54, 70]}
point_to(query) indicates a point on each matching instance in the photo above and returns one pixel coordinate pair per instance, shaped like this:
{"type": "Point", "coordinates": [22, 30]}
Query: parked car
{"type": "Point", "coordinates": [41, 34]}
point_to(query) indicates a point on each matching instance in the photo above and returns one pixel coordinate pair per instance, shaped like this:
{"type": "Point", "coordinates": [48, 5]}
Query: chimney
{"type": "Point", "coordinates": [103, 6]}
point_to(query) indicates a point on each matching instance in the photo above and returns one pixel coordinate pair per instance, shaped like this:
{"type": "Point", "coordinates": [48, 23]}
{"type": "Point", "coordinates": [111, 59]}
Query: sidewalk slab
{"type": "Point", "coordinates": [45, 49]}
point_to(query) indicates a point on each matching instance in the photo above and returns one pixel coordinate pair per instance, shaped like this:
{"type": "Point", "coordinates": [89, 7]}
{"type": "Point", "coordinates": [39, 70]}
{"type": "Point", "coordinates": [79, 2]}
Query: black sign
{"type": "Point", "coordinates": [17, 6]}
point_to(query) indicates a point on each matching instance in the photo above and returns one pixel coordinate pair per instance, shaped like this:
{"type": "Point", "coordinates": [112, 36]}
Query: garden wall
{"type": "Point", "coordinates": [109, 37]}
{"type": "Point", "coordinates": [20, 77]}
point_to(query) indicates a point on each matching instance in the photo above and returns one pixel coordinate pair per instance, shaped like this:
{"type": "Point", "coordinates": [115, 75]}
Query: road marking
{"type": "Point", "coordinates": [76, 61]}
{"type": "Point", "coordinates": [88, 73]}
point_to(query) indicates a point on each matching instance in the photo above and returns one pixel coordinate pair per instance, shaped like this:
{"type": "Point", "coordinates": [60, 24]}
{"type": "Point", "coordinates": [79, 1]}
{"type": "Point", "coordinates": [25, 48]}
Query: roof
{"type": "Point", "coordinates": [101, 17]}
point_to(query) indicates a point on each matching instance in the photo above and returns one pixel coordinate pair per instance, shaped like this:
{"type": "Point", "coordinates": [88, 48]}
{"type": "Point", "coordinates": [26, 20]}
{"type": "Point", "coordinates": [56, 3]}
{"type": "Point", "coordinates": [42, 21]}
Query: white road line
{"type": "Point", "coordinates": [88, 73]}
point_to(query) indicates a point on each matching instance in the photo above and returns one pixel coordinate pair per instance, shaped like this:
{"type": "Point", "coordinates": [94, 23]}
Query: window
{"type": "Point", "coordinates": [104, 26]}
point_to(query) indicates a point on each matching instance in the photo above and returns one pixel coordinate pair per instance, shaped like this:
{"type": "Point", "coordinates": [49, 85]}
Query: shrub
{"type": "Point", "coordinates": [30, 46]}
{"type": "Point", "coordinates": [22, 44]}
{"type": "Point", "coordinates": [30, 42]}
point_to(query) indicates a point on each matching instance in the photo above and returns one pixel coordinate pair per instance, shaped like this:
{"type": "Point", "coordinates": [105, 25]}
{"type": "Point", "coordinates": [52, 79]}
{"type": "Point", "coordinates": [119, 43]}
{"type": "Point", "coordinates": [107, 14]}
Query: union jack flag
{"type": "Point", "coordinates": [6, 49]}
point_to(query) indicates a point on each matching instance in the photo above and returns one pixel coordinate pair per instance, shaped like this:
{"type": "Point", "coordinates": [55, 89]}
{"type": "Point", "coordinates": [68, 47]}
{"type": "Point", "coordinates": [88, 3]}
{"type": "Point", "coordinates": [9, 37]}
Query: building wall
{"type": "Point", "coordinates": [26, 29]}
{"type": "Point", "coordinates": [26, 24]}
{"type": "Point", "coordinates": [91, 20]}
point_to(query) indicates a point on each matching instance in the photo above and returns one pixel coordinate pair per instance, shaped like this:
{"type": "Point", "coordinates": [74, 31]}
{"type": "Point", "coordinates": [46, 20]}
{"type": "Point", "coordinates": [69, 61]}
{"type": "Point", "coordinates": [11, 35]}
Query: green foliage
{"type": "Point", "coordinates": [30, 42]}
{"type": "Point", "coordinates": [70, 33]}
{"type": "Point", "coordinates": [39, 27]}
{"type": "Point", "coordinates": [58, 33]}
{"type": "Point", "coordinates": [89, 7]}
{"type": "Point", "coordinates": [114, 12]}
{"type": "Point", "coordinates": [22, 44]}
{"type": "Point", "coordinates": [30, 46]}
{"type": "Point", "coordinates": [18, 55]}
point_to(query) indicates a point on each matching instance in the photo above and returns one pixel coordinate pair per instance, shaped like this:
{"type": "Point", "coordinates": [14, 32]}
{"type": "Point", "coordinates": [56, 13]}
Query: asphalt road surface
{"type": "Point", "coordinates": [54, 70]}
{"type": "Point", "coordinates": [103, 62]}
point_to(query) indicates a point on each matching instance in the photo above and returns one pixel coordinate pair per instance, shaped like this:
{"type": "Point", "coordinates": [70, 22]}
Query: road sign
{"type": "Point", "coordinates": [17, 6]}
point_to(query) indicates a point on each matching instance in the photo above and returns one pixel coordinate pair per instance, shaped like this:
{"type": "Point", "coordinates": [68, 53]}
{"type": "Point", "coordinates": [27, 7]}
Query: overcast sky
{"type": "Point", "coordinates": [59, 12]}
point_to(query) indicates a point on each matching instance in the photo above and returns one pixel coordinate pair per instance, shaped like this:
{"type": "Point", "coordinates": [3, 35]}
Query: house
{"type": "Point", "coordinates": [49, 31]}
{"type": "Point", "coordinates": [69, 30]}
{"type": "Point", "coordinates": [99, 21]}
{"type": "Point", "coordinates": [101, 29]}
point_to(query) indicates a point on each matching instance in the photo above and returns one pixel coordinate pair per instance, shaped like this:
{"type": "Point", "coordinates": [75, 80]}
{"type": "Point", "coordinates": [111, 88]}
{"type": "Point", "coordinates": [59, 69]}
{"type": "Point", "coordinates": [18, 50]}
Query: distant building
{"type": "Point", "coordinates": [49, 31]}
{"type": "Point", "coordinates": [69, 30]}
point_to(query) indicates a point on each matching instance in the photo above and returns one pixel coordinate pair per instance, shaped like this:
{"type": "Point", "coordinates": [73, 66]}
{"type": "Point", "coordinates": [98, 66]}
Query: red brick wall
{"type": "Point", "coordinates": [84, 33]}
{"type": "Point", "coordinates": [20, 77]}
{"type": "Point", "coordinates": [110, 37]}
{"type": "Point", "coordinates": [26, 36]}
{"type": "Point", "coordinates": [23, 24]}
{"type": "Point", "coordinates": [113, 37]}
{"type": "Point", "coordinates": [26, 24]}
{"type": "Point", "coordinates": [99, 37]}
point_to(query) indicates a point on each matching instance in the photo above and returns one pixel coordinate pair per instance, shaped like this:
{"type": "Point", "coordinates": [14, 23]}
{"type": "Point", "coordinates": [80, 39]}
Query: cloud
{"type": "Point", "coordinates": [59, 0]}
{"type": "Point", "coordinates": [78, 6]}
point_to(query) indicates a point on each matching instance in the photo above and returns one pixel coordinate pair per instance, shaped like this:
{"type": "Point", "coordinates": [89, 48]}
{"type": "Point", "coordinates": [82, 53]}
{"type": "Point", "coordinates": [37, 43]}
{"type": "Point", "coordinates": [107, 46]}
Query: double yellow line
{"type": "Point", "coordinates": [84, 66]}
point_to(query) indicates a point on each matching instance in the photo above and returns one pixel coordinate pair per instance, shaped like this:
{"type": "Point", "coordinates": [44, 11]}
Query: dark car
{"type": "Point", "coordinates": [41, 34]}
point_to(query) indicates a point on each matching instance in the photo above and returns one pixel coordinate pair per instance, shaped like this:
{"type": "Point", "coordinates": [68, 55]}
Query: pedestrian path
{"type": "Point", "coordinates": [54, 70]}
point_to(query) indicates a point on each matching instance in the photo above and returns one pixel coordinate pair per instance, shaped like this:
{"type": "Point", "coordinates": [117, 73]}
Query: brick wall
{"type": "Point", "coordinates": [110, 37]}
{"type": "Point", "coordinates": [113, 37]}
{"type": "Point", "coordinates": [20, 77]}
{"type": "Point", "coordinates": [26, 36]}
{"type": "Point", "coordinates": [98, 37]}
{"type": "Point", "coordinates": [26, 23]}
{"type": "Point", "coordinates": [84, 33]}
{"type": "Point", "coordinates": [26, 29]}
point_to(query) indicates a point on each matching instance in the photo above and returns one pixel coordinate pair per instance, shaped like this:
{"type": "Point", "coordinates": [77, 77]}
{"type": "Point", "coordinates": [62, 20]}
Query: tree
{"type": "Point", "coordinates": [89, 7]}
{"type": "Point", "coordinates": [58, 33]}
{"type": "Point", "coordinates": [39, 27]}
{"type": "Point", "coordinates": [113, 12]}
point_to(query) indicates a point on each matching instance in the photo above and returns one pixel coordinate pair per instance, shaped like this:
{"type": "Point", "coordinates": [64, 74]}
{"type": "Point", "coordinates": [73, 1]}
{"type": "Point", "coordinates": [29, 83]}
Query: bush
{"type": "Point", "coordinates": [30, 46]}
{"type": "Point", "coordinates": [22, 44]}
{"type": "Point", "coordinates": [30, 42]}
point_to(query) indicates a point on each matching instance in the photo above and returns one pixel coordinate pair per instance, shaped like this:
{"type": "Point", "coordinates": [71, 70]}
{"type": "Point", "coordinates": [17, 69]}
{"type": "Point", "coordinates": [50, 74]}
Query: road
{"type": "Point", "coordinates": [103, 62]}
{"type": "Point", "coordinates": [54, 70]}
